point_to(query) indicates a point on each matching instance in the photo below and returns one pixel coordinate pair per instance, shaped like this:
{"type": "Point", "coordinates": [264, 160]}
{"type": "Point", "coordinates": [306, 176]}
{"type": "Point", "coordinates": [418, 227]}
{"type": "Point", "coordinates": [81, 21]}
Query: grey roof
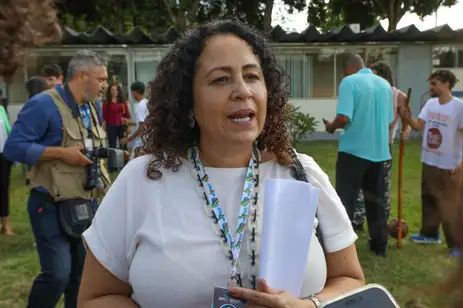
{"type": "Point", "coordinates": [377, 33]}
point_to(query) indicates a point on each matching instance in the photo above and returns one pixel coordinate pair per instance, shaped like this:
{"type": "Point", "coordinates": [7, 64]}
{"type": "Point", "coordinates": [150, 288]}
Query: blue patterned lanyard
{"type": "Point", "coordinates": [234, 244]}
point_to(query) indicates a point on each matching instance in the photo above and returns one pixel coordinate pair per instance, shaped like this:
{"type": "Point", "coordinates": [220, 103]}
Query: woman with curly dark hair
{"type": "Point", "coordinates": [160, 238]}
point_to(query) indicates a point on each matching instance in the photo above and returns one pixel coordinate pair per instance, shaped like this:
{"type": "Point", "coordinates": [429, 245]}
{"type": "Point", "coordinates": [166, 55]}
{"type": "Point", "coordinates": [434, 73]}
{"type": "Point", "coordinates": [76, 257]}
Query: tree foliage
{"type": "Point", "coordinates": [115, 15]}
{"type": "Point", "coordinates": [157, 16]}
{"type": "Point", "coordinates": [394, 10]}
{"type": "Point", "coordinates": [325, 14]}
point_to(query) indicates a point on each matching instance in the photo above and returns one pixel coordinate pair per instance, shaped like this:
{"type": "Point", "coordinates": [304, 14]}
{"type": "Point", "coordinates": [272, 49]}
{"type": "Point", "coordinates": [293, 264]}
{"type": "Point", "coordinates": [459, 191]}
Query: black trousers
{"type": "Point", "coordinates": [115, 133]}
{"type": "Point", "coordinates": [354, 173]}
{"type": "Point", "coordinates": [5, 171]}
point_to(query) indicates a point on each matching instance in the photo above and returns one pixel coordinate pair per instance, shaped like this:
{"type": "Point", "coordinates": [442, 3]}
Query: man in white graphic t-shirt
{"type": "Point", "coordinates": [141, 112]}
{"type": "Point", "coordinates": [441, 119]}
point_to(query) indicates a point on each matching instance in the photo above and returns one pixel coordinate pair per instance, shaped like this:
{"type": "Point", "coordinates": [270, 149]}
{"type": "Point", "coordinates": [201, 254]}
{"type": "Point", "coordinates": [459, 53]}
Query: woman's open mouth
{"type": "Point", "coordinates": [243, 116]}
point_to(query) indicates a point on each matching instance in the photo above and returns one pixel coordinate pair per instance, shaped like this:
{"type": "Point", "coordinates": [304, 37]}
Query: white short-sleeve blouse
{"type": "Point", "coordinates": [156, 236]}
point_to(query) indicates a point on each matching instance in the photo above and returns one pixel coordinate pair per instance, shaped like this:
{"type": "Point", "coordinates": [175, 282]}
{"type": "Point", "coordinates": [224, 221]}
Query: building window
{"type": "Point", "coordinates": [37, 61]}
{"type": "Point", "coordinates": [318, 73]}
{"type": "Point", "coordinates": [447, 57]}
{"type": "Point", "coordinates": [328, 70]}
{"type": "Point", "coordinates": [385, 54]}
{"type": "Point", "coordinates": [323, 73]}
{"type": "Point", "coordinates": [146, 65]}
{"type": "Point", "coordinates": [298, 69]}
{"type": "Point", "coordinates": [117, 66]}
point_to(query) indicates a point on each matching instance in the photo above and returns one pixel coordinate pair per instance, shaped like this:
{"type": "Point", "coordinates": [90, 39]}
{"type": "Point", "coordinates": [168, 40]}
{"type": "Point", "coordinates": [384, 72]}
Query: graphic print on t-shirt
{"type": "Point", "coordinates": [434, 138]}
{"type": "Point", "coordinates": [437, 122]}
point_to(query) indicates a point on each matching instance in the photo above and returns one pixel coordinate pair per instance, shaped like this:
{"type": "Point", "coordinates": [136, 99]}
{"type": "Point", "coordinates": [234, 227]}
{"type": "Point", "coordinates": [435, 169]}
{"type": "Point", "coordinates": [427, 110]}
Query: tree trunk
{"type": "Point", "coordinates": [394, 14]}
{"type": "Point", "coordinates": [393, 22]}
{"type": "Point", "coordinates": [268, 16]}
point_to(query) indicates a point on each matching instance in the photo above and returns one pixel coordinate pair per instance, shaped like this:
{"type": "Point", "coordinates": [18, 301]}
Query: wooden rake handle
{"type": "Point", "coordinates": [400, 180]}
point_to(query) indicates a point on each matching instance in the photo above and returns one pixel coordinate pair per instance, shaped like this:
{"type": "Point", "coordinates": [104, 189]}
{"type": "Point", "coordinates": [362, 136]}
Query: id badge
{"type": "Point", "coordinates": [89, 144]}
{"type": "Point", "coordinates": [221, 299]}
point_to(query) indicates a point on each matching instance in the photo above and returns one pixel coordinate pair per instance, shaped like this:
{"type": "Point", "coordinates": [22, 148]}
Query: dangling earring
{"type": "Point", "coordinates": [191, 121]}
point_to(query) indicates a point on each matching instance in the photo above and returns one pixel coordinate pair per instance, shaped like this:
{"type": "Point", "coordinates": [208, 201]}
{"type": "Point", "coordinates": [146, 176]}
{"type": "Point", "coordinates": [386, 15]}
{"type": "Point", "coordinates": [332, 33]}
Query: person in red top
{"type": "Point", "coordinates": [115, 114]}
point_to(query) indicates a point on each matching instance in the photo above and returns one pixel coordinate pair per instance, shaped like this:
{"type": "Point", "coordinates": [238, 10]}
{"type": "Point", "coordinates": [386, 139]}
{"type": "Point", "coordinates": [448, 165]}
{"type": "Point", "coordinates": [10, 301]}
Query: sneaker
{"type": "Point", "coordinates": [456, 252]}
{"type": "Point", "coordinates": [420, 239]}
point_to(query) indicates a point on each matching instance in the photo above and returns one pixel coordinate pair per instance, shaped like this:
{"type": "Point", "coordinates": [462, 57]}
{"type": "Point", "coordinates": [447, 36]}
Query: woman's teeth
{"type": "Point", "coordinates": [241, 120]}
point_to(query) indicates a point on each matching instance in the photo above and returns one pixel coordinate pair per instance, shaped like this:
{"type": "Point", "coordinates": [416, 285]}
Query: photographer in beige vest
{"type": "Point", "coordinates": [59, 133]}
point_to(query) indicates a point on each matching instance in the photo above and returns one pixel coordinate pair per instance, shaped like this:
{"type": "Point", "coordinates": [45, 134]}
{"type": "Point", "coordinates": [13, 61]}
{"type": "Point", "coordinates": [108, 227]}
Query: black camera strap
{"type": "Point", "coordinates": [300, 175]}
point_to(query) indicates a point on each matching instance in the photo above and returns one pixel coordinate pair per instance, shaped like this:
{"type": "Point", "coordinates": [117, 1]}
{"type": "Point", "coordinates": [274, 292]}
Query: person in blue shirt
{"type": "Point", "coordinates": [34, 86]}
{"type": "Point", "coordinates": [365, 113]}
{"type": "Point", "coordinates": [36, 139]}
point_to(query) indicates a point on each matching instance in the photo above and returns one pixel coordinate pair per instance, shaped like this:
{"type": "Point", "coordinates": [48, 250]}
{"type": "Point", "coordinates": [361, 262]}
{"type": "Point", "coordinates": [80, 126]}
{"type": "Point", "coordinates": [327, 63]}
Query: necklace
{"type": "Point", "coordinates": [249, 205]}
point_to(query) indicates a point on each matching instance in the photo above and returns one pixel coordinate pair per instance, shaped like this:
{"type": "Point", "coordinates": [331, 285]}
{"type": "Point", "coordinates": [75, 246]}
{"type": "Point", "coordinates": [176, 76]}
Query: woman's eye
{"type": "Point", "coordinates": [252, 76]}
{"type": "Point", "coordinates": [221, 79]}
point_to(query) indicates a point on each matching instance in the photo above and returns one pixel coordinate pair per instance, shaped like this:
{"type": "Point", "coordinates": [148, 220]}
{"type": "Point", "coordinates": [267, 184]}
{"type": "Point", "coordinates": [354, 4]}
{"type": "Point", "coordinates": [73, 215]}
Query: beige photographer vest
{"type": "Point", "coordinates": [65, 181]}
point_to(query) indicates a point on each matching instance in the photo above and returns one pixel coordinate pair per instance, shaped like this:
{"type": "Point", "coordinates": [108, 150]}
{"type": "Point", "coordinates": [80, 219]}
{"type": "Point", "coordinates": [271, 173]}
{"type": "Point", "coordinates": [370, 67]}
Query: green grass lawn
{"type": "Point", "coordinates": [405, 272]}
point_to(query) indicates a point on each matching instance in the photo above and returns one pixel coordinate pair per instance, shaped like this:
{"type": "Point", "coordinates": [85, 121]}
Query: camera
{"type": "Point", "coordinates": [116, 160]}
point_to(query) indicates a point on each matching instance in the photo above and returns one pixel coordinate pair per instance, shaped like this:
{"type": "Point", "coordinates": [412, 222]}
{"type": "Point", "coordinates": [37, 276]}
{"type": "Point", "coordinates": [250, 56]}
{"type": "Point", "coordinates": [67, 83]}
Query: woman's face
{"type": "Point", "coordinates": [114, 91]}
{"type": "Point", "coordinates": [230, 95]}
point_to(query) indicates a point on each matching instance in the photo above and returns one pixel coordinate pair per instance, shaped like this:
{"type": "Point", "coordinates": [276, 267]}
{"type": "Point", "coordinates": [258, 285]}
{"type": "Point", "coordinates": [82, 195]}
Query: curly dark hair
{"type": "Point", "coordinates": [445, 76]}
{"type": "Point", "coordinates": [167, 134]}
{"type": "Point", "coordinates": [25, 23]}
{"type": "Point", "coordinates": [383, 70]}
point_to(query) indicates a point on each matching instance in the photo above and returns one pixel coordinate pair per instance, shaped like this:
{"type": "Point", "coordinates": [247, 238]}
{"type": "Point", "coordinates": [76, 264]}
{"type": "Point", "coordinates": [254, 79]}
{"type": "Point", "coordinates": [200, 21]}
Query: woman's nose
{"type": "Point", "coordinates": [241, 90]}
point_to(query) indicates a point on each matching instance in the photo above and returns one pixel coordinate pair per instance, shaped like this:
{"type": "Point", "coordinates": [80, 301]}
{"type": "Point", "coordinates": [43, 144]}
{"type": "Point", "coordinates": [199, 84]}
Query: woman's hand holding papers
{"type": "Point", "coordinates": [266, 297]}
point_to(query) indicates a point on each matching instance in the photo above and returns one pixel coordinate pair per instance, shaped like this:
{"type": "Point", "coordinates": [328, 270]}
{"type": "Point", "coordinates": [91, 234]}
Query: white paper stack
{"type": "Point", "coordinates": [289, 212]}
